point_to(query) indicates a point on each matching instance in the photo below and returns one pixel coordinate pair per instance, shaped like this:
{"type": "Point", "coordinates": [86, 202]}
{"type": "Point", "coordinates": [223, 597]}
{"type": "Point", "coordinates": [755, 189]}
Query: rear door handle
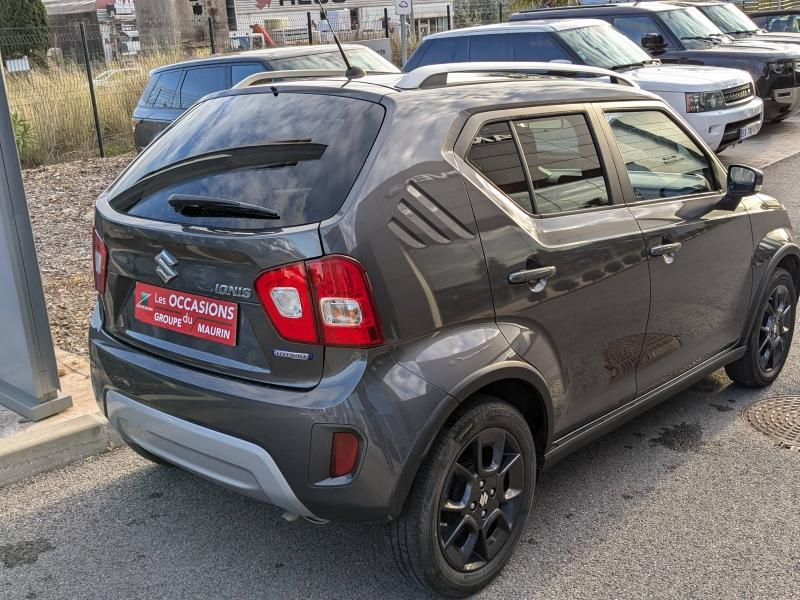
{"type": "Point", "coordinates": [665, 249]}
{"type": "Point", "coordinates": [536, 277]}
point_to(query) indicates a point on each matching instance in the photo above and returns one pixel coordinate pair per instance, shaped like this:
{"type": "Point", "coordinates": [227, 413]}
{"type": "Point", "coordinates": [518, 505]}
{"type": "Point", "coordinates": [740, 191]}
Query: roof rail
{"type": "Point", "coordinates": [431, 76]}
{"type": "Point", "coordinates": [268, 76]}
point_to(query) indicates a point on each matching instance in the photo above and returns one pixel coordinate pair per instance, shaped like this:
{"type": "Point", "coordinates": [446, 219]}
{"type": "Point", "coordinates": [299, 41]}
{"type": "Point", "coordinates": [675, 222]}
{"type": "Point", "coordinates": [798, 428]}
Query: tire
{"type": "Point", "coordinates": [148, 455]}
{"type": "Point", "coordinates": [770, 338]}
{"type": "Point", "coordinates": [418, 535]}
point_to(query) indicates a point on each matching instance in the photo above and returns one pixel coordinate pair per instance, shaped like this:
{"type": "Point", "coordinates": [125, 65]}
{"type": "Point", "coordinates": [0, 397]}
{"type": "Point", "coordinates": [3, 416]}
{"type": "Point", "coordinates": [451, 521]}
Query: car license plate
{"type": "Point", "coordinates": [197, 316]}
{"type": "Point", "coordinates": [749, 131]}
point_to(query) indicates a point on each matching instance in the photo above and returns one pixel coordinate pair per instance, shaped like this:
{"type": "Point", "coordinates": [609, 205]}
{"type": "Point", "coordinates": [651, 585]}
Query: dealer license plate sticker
{"type": "Point", "coordinates": [746, 132]}
{"type": "Point", "coordinates": [197, 316]}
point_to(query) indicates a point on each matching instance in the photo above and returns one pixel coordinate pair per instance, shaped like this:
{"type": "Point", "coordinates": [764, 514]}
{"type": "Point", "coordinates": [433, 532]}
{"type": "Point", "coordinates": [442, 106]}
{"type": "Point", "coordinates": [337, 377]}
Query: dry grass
{"type": "Point", "coordinates": [54, 109]}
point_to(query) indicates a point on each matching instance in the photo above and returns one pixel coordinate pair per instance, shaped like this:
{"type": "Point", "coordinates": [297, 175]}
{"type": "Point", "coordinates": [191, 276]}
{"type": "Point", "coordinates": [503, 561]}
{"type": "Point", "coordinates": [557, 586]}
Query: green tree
{"type": "Point", "coordinates": [23, 28]}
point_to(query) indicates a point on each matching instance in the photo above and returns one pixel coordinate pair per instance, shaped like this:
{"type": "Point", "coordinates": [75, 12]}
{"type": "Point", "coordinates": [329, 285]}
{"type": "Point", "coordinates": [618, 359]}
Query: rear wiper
{"type": "Point", "coordinates": [274, 155]}
{"type": "Point", "coordinates": [205, 206]}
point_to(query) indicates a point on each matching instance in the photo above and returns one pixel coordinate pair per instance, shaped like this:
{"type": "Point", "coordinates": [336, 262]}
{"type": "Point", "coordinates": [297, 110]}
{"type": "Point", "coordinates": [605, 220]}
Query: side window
{"type": "Point", "coordinates": [495, 155]}
{"type": "Point", "coordinates": [563, 163]}
{"type": "Point", "coordinates": [488, 47]}
{"type": "Point", "coordinates": [201, 81]}
{"type": "Point", "coordinates": [146, 100]}
{"type": "Point", "coordinates": [445, 50]}
{"type": "Point", "coordinates": [240, 71]}
{"type": "Point", "coordinates": [537, 47]}
{"type": "Point", "coordinates": [661, 160]}
{"type": "Point", "coordinates": [636, 26]}
{"type": "Point", "coordinates": [165, 91]}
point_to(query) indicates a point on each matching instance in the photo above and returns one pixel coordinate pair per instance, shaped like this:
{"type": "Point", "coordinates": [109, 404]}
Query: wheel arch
{"type": "Point", "coordinates": [787, 256]}
{"type": "Point", "coordinates": [517, 383]}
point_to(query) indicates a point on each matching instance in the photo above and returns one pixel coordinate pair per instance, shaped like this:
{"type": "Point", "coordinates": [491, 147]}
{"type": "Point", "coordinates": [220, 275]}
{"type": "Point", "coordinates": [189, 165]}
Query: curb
{"type": "Point", "coordinates": [33, 452]}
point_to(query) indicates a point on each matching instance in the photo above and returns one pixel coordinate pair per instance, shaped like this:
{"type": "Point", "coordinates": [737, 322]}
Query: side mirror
{"type": "Point", "coordinates": [742, 181]}
{"type": "Point", "coordinates": [653, 42]}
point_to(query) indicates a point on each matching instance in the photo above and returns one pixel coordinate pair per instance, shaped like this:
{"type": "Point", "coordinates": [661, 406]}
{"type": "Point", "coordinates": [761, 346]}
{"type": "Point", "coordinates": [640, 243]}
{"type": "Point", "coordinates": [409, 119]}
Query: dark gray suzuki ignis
{"type": "Point", "coordinates": [398, 298]}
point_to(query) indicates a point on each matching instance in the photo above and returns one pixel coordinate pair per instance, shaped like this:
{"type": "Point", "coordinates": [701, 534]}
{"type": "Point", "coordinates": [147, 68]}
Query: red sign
{"type": "Point", "coordinates": [197, 316]}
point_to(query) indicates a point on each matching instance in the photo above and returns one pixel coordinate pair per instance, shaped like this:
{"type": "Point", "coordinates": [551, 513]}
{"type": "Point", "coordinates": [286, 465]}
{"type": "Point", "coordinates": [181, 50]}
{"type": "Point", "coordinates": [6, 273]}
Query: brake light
{"type": "Point", "coordinates": [286, 296]}
{"type": "Point", "coordinates": [344, 453]}
{"type": "Point", "coordinates": [99, 261]}
{"type": "Point", "coordinates": [327, 300]}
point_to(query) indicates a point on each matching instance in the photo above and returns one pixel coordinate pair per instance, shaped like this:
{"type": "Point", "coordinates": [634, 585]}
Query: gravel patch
{"type": "Point", "coordinates": [61, 204]}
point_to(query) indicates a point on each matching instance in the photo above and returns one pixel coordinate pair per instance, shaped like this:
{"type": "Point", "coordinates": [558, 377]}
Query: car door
{"type": "Point", "coordinates": [565, 257]}
{"type": "Point", "coordinates": [699, 252]}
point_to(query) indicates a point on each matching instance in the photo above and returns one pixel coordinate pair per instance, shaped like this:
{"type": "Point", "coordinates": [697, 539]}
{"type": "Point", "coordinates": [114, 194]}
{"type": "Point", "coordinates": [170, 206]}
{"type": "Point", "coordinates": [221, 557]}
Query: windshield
{"type": "Point", "coordinates": [295, 154]}
{"type": "Point", "coordinates": [605, 47]}
{"type": "Point", "coordinates": [691, 27]}
{"type": "Point", "coordinates": [730, 19]}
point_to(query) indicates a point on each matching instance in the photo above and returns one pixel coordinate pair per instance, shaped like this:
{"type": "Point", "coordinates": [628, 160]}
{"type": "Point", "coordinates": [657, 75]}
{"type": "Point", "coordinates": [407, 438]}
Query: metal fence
{"type": "Point", "coordinates": [73, 86]}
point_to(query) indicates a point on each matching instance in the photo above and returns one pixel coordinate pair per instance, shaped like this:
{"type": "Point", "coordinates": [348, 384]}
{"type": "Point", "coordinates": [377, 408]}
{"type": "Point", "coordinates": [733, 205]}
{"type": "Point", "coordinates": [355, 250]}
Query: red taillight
{"type": "Point", "coordinates": [347, 313]}
{"type": "Point", "coordinates": [99, 261]}
{"type": "Point", "coordinates": [342, 313]}
{"type": "Point", "coordinates": [285, 294]}
{"type": "Point", "coordinates": [344, 453]}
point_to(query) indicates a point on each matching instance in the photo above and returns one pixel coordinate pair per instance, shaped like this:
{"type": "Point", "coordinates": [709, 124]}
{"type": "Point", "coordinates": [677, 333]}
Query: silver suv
{"type": "Point", "coordinates": [399, 298]}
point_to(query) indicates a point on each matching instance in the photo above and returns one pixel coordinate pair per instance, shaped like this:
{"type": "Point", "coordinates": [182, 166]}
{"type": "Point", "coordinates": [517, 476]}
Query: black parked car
{"type": "Point", "coordinates": [786, 20]}
{"type": "Point", "coordinates": [731, 20]}
{"type": "Point", "coordinates": [174, 88]}
{"type": "Point", "coordinates": [681, 34]}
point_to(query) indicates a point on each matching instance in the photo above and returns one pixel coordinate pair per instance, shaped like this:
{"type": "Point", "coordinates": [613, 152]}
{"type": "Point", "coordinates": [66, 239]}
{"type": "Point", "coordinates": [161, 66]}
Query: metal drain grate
{"type": "Point", "coordinates": [778, 418]}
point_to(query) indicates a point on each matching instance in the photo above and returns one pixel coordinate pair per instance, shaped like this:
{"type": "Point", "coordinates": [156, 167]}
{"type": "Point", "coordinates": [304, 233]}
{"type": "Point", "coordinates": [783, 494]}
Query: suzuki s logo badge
{"type": "Point", "coordinates": [165, 266]}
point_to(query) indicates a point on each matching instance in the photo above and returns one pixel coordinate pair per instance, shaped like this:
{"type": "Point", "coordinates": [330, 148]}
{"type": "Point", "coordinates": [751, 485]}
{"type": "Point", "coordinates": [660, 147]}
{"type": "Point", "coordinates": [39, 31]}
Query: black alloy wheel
{"type": "Point", "coordinates": [480, 503]}
{"type": "Point", "coordinates": [470, 500]}
{"type": "Point", "coordinates": [770, 336]}
{"type": "Point", "coordinates": [775, 333]}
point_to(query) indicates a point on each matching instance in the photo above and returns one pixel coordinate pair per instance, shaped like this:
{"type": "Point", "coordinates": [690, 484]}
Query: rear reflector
{"type": "Point", "coordinates": [99, 261]}
{"type": "Point", "coordinates": [343, 312]}
{"type": "Point", "coordinates": [344, 453]}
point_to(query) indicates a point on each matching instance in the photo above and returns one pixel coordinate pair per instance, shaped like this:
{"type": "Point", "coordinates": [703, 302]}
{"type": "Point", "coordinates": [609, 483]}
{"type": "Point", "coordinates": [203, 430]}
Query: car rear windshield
{"type": "Point", "coordinates": [294, 154]}
{"type": "Point", "coordinates": [360, 57]}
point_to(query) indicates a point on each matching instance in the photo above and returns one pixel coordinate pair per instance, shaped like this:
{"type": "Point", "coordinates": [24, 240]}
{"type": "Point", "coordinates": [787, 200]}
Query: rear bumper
{"type": "Point", "coordinates": [270, 442]}
{"type": "Point", "coordinates": [228, 461]}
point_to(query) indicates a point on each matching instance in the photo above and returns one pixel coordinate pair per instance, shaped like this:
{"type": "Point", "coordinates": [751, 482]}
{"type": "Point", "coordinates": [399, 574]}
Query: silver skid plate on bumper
{"type": "Point", "coordinates": [228, 461]}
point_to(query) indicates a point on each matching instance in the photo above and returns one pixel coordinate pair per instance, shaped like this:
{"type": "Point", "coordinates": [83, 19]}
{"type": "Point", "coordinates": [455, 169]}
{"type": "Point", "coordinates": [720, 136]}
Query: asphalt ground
{"type": "Point", "coordinates": [683, 502]}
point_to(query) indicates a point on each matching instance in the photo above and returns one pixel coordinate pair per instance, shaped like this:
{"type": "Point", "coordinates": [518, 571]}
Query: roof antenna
{"type": "Point", "coordinates": [351, 72]}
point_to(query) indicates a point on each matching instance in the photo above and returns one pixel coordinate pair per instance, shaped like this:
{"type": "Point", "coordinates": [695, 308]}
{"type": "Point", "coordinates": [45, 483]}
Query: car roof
{"type": "Point", "coordinates": [541, 25]}
{"type": "Point", "coordinates": [265, 54]}
{"type": "Point", "coordinates": [616, 7]}
{"type": "Point", "coordinates": [471, 91]}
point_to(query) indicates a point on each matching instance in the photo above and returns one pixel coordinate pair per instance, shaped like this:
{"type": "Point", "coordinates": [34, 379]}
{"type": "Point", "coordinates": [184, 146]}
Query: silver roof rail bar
{"type": "Point", "coordinates": [436, 75]}
{"type": "Point", "coordinates": [268, 76]}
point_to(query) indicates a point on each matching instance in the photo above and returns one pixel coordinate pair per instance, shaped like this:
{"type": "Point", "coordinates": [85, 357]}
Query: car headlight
{"type": "Point", "coordinates": [703, 101]}
{"type": "Point", "coordinates": [779, 67]}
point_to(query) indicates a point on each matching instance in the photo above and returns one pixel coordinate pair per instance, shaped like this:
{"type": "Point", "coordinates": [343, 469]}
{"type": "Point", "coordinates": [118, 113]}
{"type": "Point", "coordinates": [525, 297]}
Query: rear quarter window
{"type": "Point", "coordinates": [443, 50]}
{"type": "Point", "coordinates": [302, 187]}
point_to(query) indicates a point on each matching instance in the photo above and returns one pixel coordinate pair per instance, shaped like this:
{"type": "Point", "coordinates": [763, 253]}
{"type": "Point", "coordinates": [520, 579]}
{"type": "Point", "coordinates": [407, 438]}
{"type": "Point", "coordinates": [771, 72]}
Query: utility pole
{"type": "Point", "coordinates": [402, 9]}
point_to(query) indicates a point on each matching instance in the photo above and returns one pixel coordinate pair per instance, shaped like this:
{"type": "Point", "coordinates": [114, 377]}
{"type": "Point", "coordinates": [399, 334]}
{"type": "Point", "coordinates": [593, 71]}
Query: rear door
{"type": "Point", "coordinates": [297, 155]}
{"type": "Point", "coordinates": [565, 256]}
{"type": "Point", "coordinates": [699, 253]}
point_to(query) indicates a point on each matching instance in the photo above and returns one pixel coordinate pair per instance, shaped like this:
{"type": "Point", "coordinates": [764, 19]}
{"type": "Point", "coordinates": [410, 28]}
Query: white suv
{"type": "Point", "coordinates": [718, 103]}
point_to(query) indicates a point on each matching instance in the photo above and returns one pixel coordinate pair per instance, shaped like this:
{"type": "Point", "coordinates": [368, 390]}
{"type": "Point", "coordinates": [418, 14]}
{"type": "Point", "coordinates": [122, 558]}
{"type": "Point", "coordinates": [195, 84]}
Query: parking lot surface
{"type": "Point", "coordinates": [684, 501]}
